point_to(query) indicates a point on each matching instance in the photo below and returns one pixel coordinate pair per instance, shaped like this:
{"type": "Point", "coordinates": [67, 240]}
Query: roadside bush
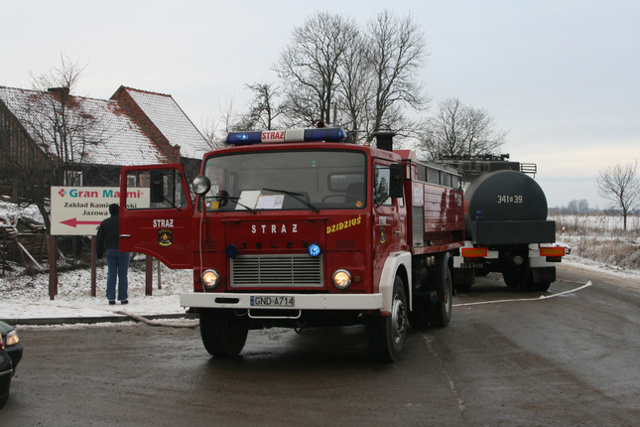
{"type": "Point", "coordinates": [601, 238]}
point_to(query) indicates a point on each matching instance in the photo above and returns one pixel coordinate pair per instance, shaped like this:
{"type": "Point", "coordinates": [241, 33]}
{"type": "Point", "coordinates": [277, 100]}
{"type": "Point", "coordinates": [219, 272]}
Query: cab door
{"type": "Point", "coordinates": [389, 217]}
{"type": "Point", "coordinates": [156, 214]}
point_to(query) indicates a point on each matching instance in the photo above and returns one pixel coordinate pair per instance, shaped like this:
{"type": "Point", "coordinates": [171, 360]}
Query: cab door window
{"type": "Point", "coordinates": [381, 181]}
{"type": "Point", "coordinates": [156, 189]}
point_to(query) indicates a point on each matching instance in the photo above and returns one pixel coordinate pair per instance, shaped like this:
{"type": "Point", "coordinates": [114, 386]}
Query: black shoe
{"type": "Point", "coordinates": [112, 303]}
{"type": "Point", "coordinates": [124, 302]}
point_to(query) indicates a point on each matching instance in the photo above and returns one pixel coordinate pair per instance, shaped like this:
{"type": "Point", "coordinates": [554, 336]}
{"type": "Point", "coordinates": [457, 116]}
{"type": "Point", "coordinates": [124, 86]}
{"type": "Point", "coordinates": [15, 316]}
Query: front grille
{"type": "Point", "coordinates": [299, 270]}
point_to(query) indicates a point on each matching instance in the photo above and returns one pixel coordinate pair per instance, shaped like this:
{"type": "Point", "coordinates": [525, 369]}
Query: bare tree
{"type": "Point", "coordinates": [309, 66]}
{"type": "Point", "coordinates": [365, 80]}
{"type": "Point", "coordinates": [264, 108]}
{"type": "Point", "coordinates": [59, 131]}
{"type": "Point", "coordinates": [210, 133]}
{"type": "Point", "coordinates": [620, 184]}
{"type": "Point", "coordinates": [57, 122]}
{"type": "Point", "coordinates": [228, 120]}
{"type": "Point", "coordinates": [356, 84]}
{"type": "Point", "coordinates": [396, 52]}
{"type": "Point", "coordinates": [460, 130]}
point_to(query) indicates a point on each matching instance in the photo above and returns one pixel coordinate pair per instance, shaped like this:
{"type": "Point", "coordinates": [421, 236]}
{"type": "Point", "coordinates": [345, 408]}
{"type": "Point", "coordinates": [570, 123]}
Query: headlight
{"type": "Point", "coordinates": [342, 279]}
{"type": "Point", "coordinates": [12, 338]}
{"type": "Point", "coordinates": [200, 185]}
{"type": "Point", "coordinates": [210, 279]}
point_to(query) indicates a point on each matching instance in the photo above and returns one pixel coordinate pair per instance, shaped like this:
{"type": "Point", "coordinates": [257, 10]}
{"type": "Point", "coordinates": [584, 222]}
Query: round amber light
{"type": "Point", "coordinates": [342, 279]}
{"type": "Point", "coordinates": [210, 279]}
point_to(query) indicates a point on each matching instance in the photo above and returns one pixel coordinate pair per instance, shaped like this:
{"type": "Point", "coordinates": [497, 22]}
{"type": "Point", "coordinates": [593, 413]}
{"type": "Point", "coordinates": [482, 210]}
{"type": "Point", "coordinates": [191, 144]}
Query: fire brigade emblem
{"type": "Point", "coordinates": [383, 236]}
{"type": "Point", "coordinates": [165, 237]}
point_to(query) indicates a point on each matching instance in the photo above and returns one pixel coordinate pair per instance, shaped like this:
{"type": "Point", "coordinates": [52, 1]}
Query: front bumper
{"type": "Point", "coordinates": [302, 301]}
{"type": "Point", "coordinates": [5, 384]}
{"type": "Point", "coordinates": [15, 353]}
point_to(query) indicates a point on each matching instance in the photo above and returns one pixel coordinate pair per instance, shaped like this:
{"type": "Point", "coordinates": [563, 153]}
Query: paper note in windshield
{"type": "Point", "coordinates": [270, 201]}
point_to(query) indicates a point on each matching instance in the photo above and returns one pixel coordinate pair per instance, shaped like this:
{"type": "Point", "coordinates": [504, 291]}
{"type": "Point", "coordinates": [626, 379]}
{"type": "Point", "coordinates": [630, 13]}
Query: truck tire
{"type": "Point", "coordinates": [442, 282]}
{"type": "Point", "coordinates": [542, 286]}
{"type": "Point", "coordinates": [418, 318]}
{"type": "Point", "coordinates": [521, 279]}
{"type": "Point", "coordinates": [223, 332]}
{"type": "Point", "coordinates": [511, 279]}
{"type": "Point", "coordinates": [386, 334]}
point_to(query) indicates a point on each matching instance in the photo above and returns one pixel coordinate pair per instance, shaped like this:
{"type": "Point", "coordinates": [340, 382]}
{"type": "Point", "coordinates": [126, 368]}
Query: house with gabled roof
{"type": "Point", "coordinates": [133, 127]}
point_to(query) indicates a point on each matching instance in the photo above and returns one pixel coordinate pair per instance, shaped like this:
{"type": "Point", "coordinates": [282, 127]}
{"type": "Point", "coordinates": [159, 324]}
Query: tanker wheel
{"type": "Point", "coordinates": [511, 279]}
{"type": "Point", "coordinates": [386, 334]}
{"type": "Point", "coordinates": [521, 279]}
{"type": "Point", "coordinates": [482, 272]}
{"type": "Point", "coordinates": [542, 286]}
{"type": "Point", "coordinates": [442, 282]}
{"type": "Point", "coordinates": [223, 332]}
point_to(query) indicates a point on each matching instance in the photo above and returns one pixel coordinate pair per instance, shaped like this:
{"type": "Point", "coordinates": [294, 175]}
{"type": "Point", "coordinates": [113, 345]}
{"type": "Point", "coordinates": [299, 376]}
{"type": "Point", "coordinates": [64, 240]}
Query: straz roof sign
{"type": "Point", "coordinates": [78, 211]}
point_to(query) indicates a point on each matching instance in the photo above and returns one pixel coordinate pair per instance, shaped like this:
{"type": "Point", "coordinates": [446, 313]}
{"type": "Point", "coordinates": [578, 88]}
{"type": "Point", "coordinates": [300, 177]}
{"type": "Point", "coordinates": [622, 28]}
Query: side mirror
{"type": "Point", "coordinates": [396, 184]}
{"type": "Point", "coordinates": [200, 185]}
{"type": "Point", "coordinates": [157, 186]}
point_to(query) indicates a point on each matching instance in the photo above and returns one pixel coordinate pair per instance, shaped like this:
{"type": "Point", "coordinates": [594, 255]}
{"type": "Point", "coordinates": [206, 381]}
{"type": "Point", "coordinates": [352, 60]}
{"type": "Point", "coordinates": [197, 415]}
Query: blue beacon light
{"type": "Point", "coordinates": [314, 250]}
{"type": "Point", "coordinates": [325, 134]}
{"type": "Point", "coordinates": [244, 138]}
{"type": "Point", "coordinates": [291, 135]}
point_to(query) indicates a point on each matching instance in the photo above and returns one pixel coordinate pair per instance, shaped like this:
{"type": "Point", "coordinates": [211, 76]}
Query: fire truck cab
{"type": "Point", "coordinates": [300, 228]}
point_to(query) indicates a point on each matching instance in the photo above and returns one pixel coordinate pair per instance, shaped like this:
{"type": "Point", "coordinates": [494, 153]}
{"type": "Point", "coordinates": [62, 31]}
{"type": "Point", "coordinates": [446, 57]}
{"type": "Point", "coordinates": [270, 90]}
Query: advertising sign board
{"type": "Point", "coordinates": [78, 211]}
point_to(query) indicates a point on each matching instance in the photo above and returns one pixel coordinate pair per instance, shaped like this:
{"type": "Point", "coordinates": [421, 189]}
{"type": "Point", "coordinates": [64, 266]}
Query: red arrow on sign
{"type": "Point", "coordinates": [73, 222]}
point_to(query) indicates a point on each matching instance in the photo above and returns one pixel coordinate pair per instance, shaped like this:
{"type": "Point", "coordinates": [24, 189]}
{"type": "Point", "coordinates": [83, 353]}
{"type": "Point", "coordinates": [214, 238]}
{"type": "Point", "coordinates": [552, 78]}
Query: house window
{"type": "Point", "coordinates": [73, 178]}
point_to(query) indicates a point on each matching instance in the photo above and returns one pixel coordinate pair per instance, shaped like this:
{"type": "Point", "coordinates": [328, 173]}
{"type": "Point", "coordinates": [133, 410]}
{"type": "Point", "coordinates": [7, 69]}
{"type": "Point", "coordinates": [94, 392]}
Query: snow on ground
{"type": "Point", "coordinates": [27, 297]}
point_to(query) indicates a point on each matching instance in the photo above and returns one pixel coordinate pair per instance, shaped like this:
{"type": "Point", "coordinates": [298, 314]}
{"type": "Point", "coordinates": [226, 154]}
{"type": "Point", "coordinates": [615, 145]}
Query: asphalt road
{"type": "Point", "coordinates": [507, 358]}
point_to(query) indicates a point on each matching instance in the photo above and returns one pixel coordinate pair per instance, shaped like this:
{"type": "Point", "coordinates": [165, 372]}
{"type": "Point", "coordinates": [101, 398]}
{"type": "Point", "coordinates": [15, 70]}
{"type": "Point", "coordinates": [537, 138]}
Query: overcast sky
{"type": "Point", "coordinates": [562, 77]}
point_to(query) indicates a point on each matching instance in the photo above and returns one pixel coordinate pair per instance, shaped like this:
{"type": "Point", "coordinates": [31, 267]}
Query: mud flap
{"type": "Point", "coordinates": [543, 275]}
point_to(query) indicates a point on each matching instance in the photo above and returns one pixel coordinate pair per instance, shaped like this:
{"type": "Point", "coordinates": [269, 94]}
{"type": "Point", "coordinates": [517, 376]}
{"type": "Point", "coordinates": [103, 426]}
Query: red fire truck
{"type": "Point", "coordinates": [301, 228]}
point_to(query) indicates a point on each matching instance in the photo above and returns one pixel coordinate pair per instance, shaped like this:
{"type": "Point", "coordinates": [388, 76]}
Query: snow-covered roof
{"type": "Point", "coordinates": [114, 137]}
{"type": "Point", "coordinates": [171, 121]}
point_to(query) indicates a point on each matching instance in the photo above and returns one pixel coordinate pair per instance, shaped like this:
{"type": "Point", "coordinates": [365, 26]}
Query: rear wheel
{"type": "Point", "coordinates": [520, 279]}
{"type": "Point", "coordinates": [543, 286]}
{"type": "Point", "coordinates": [440, 310]}
{"type": "Point", "coordinates": [223, 332]}
{"type": "Point", "coordinates": [418, 316]}
{"type": "Point", "coordinates": [511, 279]}
{"type": "Point", "coordinates": [386, 334]}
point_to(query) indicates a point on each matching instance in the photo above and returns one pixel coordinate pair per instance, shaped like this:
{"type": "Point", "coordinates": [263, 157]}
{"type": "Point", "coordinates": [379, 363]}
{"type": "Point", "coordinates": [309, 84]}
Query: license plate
{"type": "Point", "coordinates": [272, 301]}
{"type": "Point", "coordinates": [472, 265]}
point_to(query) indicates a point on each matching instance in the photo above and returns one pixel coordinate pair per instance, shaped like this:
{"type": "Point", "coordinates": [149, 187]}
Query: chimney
{"type": "Point", "coordinates": [384, 140]}
{"type": "Point", "coordinates": [63, 92]}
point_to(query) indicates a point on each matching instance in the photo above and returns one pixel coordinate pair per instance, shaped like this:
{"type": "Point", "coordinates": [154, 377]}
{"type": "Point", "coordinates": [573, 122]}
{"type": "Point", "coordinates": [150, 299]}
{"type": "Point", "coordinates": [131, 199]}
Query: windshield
{"type": "Point", "coordinates": [286, 180]}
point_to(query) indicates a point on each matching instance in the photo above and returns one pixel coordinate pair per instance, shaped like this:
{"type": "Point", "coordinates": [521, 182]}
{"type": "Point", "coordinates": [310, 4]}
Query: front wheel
{"type": "Point", "coordinates": [223, 332]}
{"type": "Point", "coordinates": [386, 334]}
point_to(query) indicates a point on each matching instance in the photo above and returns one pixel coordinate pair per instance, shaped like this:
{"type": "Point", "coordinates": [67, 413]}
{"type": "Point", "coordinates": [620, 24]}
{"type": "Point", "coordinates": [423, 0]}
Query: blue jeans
{"type": "Point", "coordinates": [118, 267]}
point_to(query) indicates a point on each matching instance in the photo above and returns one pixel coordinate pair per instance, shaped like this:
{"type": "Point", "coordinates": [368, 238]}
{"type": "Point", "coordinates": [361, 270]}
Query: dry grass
{"type": "Point", "coordinates": [601, 238]}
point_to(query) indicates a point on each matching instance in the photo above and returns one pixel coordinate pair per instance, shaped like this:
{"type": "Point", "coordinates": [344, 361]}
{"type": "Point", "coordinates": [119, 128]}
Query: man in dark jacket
{"type": "Point", "coordinates": [108, 243]}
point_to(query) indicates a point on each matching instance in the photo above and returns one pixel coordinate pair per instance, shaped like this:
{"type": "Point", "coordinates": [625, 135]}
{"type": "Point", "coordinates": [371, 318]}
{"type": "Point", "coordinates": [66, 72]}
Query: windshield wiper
{"type": "Point", "coordinates": [296, 196]}
{"type": "Point", "coordinates": [224, 199]}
